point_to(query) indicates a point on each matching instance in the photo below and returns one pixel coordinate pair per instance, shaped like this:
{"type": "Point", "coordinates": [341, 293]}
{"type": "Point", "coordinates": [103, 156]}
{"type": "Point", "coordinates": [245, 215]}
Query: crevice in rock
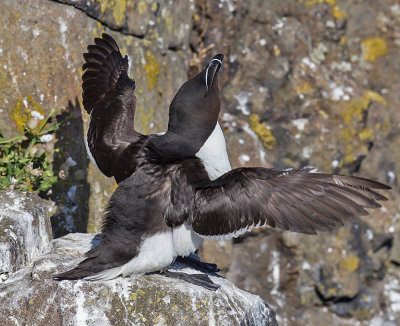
{"type": "Point", "coordinates": [119, 30]}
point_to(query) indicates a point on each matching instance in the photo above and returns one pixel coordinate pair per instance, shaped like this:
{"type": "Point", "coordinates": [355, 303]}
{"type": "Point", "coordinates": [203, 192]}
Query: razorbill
{"type": "Point", "coordinates": [177, 188]}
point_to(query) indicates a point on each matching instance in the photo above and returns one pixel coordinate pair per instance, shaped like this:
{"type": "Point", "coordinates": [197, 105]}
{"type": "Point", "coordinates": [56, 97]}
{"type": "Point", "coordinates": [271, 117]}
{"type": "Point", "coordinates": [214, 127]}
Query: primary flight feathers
{"type": "Point", "coordinates": [108, 95]}
{"type": "Point", "coordinates": [296, 200]}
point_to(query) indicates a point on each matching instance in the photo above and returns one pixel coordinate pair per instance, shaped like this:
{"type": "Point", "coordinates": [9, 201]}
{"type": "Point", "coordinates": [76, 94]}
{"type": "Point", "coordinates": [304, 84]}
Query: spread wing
{"type": "Point", "coordinates": [295, 200]}
{"type": "Point", "coordinates": [108, 96]}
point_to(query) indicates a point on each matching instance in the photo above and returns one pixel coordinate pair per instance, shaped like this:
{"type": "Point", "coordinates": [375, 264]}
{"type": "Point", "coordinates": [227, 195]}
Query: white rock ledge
{"type": "Point", "coordinates": [31, 297]}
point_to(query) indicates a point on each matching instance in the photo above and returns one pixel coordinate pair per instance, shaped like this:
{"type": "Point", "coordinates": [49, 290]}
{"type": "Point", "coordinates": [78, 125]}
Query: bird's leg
{"type": "Point", "coordinates": [196, 279]}
{"type": "Point", "coordinates": [197, 264]}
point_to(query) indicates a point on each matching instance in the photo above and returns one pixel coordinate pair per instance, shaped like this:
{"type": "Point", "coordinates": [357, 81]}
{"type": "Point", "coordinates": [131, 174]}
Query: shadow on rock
{"type": "Point", "coordinates": [71, 163]}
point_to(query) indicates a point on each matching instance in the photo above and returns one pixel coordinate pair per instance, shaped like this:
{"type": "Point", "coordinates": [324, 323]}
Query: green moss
{"type": "Point", "coordinates": [262, 132]}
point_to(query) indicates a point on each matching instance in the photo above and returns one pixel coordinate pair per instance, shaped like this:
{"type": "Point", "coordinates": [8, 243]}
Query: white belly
{"type": "Point", "coordinates": [156, 253]}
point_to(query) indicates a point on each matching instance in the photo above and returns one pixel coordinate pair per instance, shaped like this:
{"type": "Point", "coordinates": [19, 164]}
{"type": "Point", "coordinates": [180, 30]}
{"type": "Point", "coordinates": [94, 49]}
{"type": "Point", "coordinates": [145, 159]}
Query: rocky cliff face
{"type": "Point", "coordinates": [304, 83]}
{"type": "Point", "coordinates": [313, 83]}
{"type": "Point", "coordinates": [31, 297]}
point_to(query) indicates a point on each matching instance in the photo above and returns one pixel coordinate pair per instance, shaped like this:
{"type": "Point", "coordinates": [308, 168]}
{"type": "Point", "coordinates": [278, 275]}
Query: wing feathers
{"type": "Point", "coordinates": [295, 200]}
{"type": "Point", "coordinates": [108, 95]}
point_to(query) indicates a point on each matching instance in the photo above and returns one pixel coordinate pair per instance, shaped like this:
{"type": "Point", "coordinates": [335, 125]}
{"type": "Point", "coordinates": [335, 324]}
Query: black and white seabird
{"type": "Point", "coordinates": [177, 188]}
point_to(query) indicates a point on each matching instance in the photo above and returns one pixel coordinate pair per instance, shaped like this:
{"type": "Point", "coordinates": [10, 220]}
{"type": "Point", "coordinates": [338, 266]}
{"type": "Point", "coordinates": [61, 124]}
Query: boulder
{"type": "Point", "coordinates": [25, 230]}
{"type": "Point", "coordinates": [30, 295]}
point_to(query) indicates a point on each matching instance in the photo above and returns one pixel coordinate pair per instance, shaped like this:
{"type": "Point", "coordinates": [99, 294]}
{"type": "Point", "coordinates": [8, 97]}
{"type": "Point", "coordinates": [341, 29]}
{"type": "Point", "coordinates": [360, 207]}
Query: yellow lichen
{"type": "Point", "coordinates": [98, 30]}
{"type": "Point", "coordinates": [145, 118]}
{"type": "Point", "coordinates": [350, 263]}
{"type": "Point", "coordinates": [141, 292]}
{"type": "Point", "coordinates": [338, 14]}
{"type": "Point", "coordinates": [30, 301]}
{"type": "Point", "coordinates": [21, 113]}
{"type": "Point", "coordinates": [355, 108]}
{"type": "Point", "coordinates": [323, 114]}
{"type": "Point", "coordinates": [311, 3]}
{"type": "Point", "coordinates": [119, 10]}
{"type": "Point", "coordinates": [103, 5]}
{"type": "Point", "coordinates": [152, 69]}
{"type": "Point", "coordinates": [277, 51]}
{"type": "Point", "coordinates": [91, 228]}
{"type": "Point", "coordinates": [332, 291]}
{"type": "Point", "coordinates": [262, 132]}
{"type": "Point", "coordinates": [366, 134]}
{"type": "Point", "coordinates": [304, 88]}
{"type": "Point", "coordinates": [373, 48]}
{"type": "Point", "coordinates": [142, 7]}
{"type": "Point", "coordinates": [133, 297]}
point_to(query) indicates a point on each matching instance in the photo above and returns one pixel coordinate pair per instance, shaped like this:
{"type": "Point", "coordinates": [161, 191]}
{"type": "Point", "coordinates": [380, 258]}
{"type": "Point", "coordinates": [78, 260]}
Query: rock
{"type": "Point", "coordinates": [321, 78]}
{"type": "Point", "coordinates": [218, 252]}
{"type": "Point", "coordinates": [25, 230]}
{"type": "Point", "coordinates": [32, 296]}
{"type": "Point", "coordinates": [41, 49]}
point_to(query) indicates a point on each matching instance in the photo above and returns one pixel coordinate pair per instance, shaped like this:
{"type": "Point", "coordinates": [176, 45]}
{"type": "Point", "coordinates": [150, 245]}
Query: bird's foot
{"type": "Point", "coordinates": [196, 279]}
{"type": "Point", "coordinates": [197, 264]}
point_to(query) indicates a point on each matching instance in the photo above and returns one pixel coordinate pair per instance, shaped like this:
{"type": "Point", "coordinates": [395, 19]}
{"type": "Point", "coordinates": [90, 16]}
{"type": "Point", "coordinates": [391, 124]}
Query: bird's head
{"type": "Point", "coordinates": [194, 111]}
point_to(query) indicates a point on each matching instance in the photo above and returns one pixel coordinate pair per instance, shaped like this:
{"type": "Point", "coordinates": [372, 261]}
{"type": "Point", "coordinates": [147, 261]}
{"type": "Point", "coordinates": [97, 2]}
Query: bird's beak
{"type": "Point", "coordinates": [212, 70]}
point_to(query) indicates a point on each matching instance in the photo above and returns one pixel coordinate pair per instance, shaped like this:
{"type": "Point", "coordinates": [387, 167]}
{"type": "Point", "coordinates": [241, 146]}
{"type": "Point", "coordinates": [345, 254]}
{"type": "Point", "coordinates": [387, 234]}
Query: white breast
{"type": "Point", "coordinates": [214, 155]}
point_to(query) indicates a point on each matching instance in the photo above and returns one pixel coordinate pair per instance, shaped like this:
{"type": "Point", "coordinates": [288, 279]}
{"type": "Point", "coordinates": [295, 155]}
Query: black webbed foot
{"type": "Point", "coordinates": [195, 263]}
{"type": "Point", "coordinates": [196, 279]}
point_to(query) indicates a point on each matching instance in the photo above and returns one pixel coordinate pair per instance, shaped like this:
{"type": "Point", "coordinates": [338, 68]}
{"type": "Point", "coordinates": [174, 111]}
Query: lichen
{"type": "Point", "coordinates": [356, 108]}
{"type": "Point", "coordinates": [310, 3]}
{"type": "Point", "coordinates": [145, 118]}
{"type": "Point", "coordinates": [21, 113]}
{"type": "Point", "coordinates": [373, 48]}
{"type": "Point", "coordinates": [304, 88]}
{"type": "Point", "coordinates": [337, 14]}
{"type": "Point", "coordinates": [350, 263]}
{"type": "Point", "coordinates": [354, 113]}
{"type": "Point", "coordinates": [262, 131]}
{"type": "Point", "coordinates": [119, 10]}
{"type": "Point", "coordinates": [152, 69]}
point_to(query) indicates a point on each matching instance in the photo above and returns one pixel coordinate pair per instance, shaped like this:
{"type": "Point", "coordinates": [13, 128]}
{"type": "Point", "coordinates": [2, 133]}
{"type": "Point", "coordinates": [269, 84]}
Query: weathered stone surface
{"type": "Point", "coordinates": [25, 230]}
{"type": "Point", "coordinates": [41, 49]}
{"type": "Point", "coordinates": [321, 78]}
{"type": "Point", "coordinates": [31, 296]}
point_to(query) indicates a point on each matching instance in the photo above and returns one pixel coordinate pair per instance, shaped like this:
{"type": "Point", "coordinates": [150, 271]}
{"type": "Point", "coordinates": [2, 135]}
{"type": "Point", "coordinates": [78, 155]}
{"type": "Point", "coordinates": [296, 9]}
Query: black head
{"type": "Point", "coordinates": [194, 111]}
